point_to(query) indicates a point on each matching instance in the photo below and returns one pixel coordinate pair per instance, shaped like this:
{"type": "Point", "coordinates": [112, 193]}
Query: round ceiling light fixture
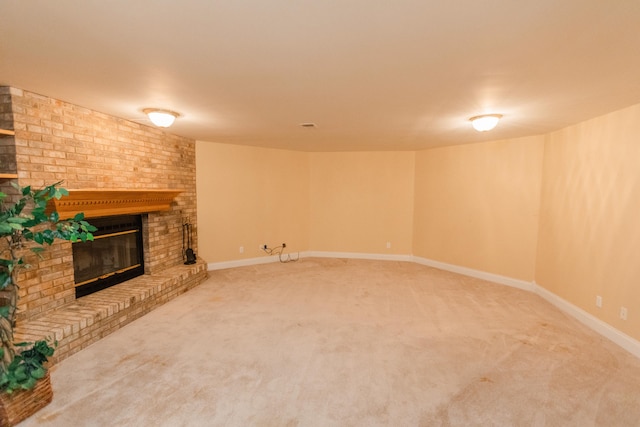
{"type": "Point", "coordinates": [161, 118]}
{"type": "Point", "coordinates": [485, 122]}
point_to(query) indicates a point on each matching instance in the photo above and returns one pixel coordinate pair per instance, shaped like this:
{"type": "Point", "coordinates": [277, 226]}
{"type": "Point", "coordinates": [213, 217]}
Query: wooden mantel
{"type": "Point", "coordinates": [105, 202]}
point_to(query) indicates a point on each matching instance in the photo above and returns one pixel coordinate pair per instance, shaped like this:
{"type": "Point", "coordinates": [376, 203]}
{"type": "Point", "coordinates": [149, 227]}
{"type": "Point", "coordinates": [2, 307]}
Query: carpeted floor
{"type": "Point", "coordinates": [328, 342]}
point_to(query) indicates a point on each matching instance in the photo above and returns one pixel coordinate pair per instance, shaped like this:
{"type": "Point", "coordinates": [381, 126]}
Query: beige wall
{"type": "Point", "coordinates": [250, 196]}
{"type": "Point", "coordinates": [589, 240]}
{"type": "Point", "coordinates": [477, 205]}
{"type": "Point", "coordinates": [360, 201]}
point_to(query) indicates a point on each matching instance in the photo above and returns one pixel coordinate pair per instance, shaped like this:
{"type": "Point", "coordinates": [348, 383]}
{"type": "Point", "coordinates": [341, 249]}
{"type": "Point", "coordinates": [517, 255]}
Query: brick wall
{"type": "Point", "coordinates": [55, 141]}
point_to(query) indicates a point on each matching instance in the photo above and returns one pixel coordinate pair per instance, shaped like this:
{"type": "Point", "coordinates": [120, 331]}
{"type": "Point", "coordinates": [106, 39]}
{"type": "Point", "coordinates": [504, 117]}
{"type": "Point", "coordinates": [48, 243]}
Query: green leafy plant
{"type": "Point", "coordinates": [27, 366]}
{"type": "Point", "coordinates": [25, 220]}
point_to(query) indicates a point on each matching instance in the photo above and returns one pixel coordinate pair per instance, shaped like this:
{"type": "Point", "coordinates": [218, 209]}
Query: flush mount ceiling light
{"type": "Point", "coordinates": [161, 118]}
{"type": "Point", "coordinates": [485, 122]}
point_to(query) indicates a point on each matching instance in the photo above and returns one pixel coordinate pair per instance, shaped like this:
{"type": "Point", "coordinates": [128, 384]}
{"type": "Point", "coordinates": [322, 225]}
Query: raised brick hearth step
{"type": "Point", "coordinates": [88, 319]}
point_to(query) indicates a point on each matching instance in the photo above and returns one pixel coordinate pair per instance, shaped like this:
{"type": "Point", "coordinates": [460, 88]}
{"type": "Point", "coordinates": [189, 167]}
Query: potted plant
{"type": "Point", "coordinates": [26, 224]}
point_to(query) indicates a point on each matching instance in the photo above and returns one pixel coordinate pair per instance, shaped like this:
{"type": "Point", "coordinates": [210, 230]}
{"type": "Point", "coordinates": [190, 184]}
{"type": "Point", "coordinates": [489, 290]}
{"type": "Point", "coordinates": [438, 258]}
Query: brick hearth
{"type": "Point", "coordinates": [90, 318]}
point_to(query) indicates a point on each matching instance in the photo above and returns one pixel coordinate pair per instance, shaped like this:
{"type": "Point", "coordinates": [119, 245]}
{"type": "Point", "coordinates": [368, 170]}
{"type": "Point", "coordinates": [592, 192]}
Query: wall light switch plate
{"type": "Point", "coordinates": [598, 301]}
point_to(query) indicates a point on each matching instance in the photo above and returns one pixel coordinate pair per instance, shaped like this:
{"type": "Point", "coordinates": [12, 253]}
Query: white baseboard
{"type": "Point", "coordinates": [242, 262]}
{"type": "Point", "coordinates": [308, 254]}
{"type": "Point", "coordinates": [626, 342]}
{"type": "Point", "coordinates": [496, 278]}
{"type": "Point", "coordinates": [623, 340]}
{"type": "Point", "coordinates": [358, 255]}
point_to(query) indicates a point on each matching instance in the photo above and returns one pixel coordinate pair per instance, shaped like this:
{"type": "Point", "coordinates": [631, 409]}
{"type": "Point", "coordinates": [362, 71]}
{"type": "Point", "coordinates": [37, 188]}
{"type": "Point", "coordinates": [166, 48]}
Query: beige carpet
{"type": "Point", "coordinates": [325, 342]}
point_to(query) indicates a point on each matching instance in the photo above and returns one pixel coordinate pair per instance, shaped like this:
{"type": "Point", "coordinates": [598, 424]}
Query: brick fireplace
{"type": "Point", "coordinates": [92, 152]}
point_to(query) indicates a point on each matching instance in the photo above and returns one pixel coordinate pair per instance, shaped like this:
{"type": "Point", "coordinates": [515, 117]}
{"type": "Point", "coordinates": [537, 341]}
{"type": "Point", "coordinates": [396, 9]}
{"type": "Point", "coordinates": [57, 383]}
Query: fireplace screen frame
{"type": "Point", "coordinates": [110, 227]}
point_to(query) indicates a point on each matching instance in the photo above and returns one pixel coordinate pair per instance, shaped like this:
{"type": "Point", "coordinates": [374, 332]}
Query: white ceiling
{"type": "Point", "coordinates": [373, 75]}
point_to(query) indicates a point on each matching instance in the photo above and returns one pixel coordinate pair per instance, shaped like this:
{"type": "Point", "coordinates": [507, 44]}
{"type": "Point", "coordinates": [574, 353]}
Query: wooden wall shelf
{"type": "Point", "coordinates": [3, 176]}
{"type": "Point", "coordinates": [101, 202]}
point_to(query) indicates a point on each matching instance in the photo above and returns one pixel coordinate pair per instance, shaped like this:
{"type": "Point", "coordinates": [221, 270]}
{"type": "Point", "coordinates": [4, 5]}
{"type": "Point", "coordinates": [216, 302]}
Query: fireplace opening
{"type": "Point", "coordinates": [114, 256]}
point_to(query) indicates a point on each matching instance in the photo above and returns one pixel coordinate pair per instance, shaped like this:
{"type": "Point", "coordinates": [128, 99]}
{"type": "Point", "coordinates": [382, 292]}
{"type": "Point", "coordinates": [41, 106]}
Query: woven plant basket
{"type": "Point", "coordinates": [21, 404]}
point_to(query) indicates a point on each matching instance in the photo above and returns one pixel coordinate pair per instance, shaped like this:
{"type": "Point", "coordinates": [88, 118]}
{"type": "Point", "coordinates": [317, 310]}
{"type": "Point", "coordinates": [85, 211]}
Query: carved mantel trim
{"type": "Point", "coordinates": [105, 202]}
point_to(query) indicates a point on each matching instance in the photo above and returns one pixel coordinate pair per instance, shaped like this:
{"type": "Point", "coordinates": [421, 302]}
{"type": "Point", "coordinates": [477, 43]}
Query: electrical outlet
{"type": "Point", "coordinates": [598, 301]}
{"type": "Point", "coordinates": [388, 245]}
{"type": "Point", "coordinates": [623, 313]}
{"type": "Point", "coordinates": [241, 249]}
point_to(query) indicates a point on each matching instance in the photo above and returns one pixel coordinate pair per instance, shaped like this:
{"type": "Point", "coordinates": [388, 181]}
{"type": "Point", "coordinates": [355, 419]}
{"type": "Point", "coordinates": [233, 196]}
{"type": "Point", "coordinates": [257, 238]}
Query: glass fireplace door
{"type": "Point", "coordinates": [115, 254]}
